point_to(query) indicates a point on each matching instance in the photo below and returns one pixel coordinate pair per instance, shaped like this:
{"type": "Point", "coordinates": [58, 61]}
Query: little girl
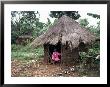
{"type": "Point", "coordinates": [55, 56]}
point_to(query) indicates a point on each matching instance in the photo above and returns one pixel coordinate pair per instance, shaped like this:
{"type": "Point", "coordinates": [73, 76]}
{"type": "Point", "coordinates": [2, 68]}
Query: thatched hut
{"type": "Point", "coordinates": [67, 36]}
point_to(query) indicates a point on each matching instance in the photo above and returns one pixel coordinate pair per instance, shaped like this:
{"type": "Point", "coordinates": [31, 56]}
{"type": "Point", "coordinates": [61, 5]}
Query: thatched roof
{"type": "Point", "coordinates": [66, 30]}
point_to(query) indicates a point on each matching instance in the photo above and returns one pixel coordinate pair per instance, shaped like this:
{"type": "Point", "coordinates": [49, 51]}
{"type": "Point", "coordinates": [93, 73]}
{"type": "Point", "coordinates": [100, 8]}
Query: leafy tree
{"type": "Point", "coordinates": [83, 22]}
{"type": "Point", "coordinates": [38, 28]}
{"type": "Point", "coordinates": [94, 15]}
{"type": "Point", "coordinates": [94, 50]}
{"type": "Point", "coordinates": [92, 28]}
{"type": "Point", "coordinates": [95, 29]}
{"type": "Point", "coordinates": [98, 28]}
{"type": "Point", "coordinates": [45, 26]}
{"type": "Point", "coordinates": [25, 23]}
{"type": "Point", "coordinates": [57, 14]}
{"type": "Point", "coordinates": [14, 31]}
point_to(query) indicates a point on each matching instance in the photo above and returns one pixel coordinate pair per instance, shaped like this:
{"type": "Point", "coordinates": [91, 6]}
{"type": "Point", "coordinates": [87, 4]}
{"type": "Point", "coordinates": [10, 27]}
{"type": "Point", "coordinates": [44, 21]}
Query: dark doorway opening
{"type": "Point", "coordinates": [52, 47]}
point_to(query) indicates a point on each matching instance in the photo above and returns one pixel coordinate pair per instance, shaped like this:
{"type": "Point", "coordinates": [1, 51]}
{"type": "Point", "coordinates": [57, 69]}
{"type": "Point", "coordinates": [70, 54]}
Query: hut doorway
{"type": "Point", "coordinates": [52, 47]}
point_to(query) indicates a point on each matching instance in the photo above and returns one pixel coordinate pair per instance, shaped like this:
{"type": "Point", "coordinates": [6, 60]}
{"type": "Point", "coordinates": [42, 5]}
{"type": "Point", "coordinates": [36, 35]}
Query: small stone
{"type": "Point", "coordinates": [66, 72]}
{"type": "Point", "coordinates": [59, 74]}
{"type": "Point", "coordinates": [32, 60]}
{"type": "Point", "coordinates": [72, 69]}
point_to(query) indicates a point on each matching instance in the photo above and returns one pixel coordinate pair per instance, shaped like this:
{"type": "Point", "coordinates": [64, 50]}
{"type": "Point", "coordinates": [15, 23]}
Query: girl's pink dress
{"type": "Point", "coordinates": [55, 56]}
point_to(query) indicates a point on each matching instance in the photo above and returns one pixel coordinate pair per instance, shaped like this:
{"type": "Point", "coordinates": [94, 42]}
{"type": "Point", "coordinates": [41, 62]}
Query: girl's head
{"type": "Point", "coordinates": [55, 50]}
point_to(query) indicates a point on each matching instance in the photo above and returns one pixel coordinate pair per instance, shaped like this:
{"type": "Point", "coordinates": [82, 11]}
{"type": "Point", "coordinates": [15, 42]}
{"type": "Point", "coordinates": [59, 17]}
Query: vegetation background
{"type": "Point", "coordinates": [26, 26]}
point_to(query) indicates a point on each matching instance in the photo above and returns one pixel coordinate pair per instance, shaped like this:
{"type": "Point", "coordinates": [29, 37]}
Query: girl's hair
{"type": "Point", "coordinates": [55, 49]}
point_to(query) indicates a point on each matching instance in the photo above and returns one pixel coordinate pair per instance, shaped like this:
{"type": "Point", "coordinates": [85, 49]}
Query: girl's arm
{"type": "Point", "coordinates": [59, 53]}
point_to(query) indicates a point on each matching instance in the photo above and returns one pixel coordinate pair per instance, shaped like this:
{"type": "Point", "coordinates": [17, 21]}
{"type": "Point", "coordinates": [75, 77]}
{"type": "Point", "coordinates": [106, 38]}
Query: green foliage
{"type": "Point", "coordinates": [14, 31]}
{"type": "Point", "coordinates": [83, 22]}
{"type": "Point", "coordinates": [93, 51]}
{"type": "Point", "coordinates": [94, 15]}
{"type": "Point", "coordinates": [15, 47]}
{"type": "Point", "coordinates": [82, 55]}
{"type": "Point", "coordinates": [45, 27]}
{"type": "Point", "coordinates": [92, 28]}
{"type": "Point", "coordinates": [26, 52]}
{"type": "Point", "coordinates": [25, 23]}
{"type": "Point", "coordinates": [89, 65]}
{"type": "Point", "coordinates": [95, 29]}
{"type": "Point", "coordinates": [72, 14]}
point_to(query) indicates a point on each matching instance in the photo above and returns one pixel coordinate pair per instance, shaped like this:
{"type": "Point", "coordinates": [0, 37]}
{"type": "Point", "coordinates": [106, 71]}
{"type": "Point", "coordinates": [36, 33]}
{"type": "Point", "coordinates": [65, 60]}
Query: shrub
{"type": "Point", "coordinates": [26, 52]}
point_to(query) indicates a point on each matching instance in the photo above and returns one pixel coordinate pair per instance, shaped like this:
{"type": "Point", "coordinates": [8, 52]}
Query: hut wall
{"type": "Point", "coordinates": [46, 53]}
{"type": "Point", "coordinates": [69, 56]}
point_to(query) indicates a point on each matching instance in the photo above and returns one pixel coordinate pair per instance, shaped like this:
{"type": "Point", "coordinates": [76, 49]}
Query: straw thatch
{"type": "Point", "coordinates": [65, 30]}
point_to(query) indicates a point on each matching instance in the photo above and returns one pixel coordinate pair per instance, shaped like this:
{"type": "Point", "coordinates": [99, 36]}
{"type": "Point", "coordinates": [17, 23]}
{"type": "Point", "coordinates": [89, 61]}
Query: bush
{"type": "Point", "coordinates": [26, 52]}
{"type": "Point", "coordinates": [15, 47]}
{"type": "Point", "coordinates": [92, 52]}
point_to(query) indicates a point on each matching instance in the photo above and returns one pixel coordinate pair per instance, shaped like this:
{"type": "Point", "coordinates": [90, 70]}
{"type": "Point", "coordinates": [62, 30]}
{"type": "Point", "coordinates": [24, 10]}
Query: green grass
{"type": "Point", "coordinates": [26, 52]}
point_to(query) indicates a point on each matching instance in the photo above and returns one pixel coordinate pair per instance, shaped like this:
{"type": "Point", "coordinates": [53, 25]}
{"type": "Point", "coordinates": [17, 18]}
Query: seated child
{"type": "Point", "coordinates": [55, 56]}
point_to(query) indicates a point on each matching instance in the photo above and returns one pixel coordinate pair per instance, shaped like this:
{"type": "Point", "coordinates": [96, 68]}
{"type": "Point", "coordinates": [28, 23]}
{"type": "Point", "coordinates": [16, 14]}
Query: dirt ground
{"type": "Point", "coordinates": [37, 68]}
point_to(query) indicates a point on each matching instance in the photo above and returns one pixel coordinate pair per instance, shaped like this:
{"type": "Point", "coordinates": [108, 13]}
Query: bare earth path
{"type": "Point", "coordinates": [37, 68]}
